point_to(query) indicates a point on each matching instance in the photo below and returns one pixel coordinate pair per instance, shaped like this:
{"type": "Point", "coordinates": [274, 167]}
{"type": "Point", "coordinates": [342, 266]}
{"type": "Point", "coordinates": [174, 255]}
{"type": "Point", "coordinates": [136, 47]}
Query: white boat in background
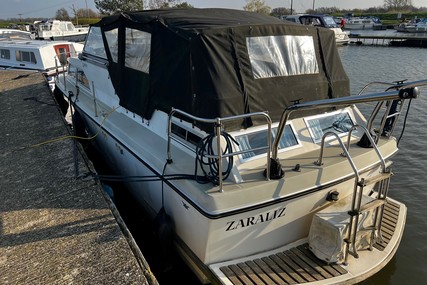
{"type": "Point", "coordinates": [244, 139]}
{"type": "Point", "coordinates": [362, 23]}
{"type": "Point", "coordinates": [326, 21]}
{"type": "Point", "coordinates": [416, 26]}
{"type": "Point", "coordinates": [47, 57]}
{"type": "Point", "coordinates": [60, 30]}
{"type": "Point", "coordinates": [15, 34]}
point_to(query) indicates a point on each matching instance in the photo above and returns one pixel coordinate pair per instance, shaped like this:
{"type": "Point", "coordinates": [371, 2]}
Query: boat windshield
{"type": "Point", "coordinates": [94, 44]}
{"type": "Point", "coordinates": [330, 22]}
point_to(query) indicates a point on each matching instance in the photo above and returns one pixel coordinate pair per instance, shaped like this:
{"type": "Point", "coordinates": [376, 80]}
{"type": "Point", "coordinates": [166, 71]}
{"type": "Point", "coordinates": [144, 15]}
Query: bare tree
{"type": "Point", "coordinates": [257, 6]}
{"type": "Point", "coordinates": [159, 4]}
{"type": "Point", "coordinates": [397, 5]}
{"type": "Point", "coordinates": [87, 13]}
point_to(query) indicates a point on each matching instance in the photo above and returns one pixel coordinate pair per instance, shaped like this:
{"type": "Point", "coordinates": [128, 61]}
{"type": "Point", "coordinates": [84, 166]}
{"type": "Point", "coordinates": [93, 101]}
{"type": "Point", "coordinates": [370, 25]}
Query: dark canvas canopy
{"type": "Point", "coordinates": [218, 62]}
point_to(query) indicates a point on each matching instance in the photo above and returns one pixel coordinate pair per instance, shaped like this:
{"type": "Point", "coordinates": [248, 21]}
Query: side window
{"type": "Point", "coordinates": [138, 48]}
{"type": "Point", "coordinates": [274, 56]}
{"type": "Point", "coordinates": [255, 143]}
{"type": "Point", "coordinates": [113, 43]}
{"type": "Point", "coordinates": [25, 56]}
{"type": "Point", "coordinates": [338, 122]}
{"type": "Point", "coordinates": [5, 53]}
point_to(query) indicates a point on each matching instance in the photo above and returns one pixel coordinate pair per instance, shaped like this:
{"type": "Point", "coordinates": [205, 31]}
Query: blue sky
{"type": "Point", "coordinates": [47, 8]}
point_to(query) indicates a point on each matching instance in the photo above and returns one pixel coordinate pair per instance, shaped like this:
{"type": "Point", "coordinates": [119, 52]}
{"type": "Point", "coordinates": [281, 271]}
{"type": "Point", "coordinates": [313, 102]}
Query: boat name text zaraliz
{"type": "Point", "coordinates": [250, 221]}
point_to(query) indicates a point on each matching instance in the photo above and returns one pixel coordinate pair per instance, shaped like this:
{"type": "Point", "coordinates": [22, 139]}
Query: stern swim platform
{"type": "Point", "coordinates": [297, 264]}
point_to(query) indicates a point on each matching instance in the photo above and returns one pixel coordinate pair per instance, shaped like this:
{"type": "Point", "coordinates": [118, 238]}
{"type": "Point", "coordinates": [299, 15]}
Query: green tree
{"type": "Point", "coordinates": [62, 14]}
{"type": "Point", "coordinates": [257, 6]}
{"type": "Point", "coordinates": [280, 12]}
{"type": "Point", "coordinates": [109, 7]}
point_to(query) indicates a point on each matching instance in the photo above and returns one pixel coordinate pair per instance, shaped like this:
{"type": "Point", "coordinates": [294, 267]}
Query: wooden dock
{"type": "Point", "coordinates": [55, 227]}
{"type": "Point", "coordinates": [389, 40]}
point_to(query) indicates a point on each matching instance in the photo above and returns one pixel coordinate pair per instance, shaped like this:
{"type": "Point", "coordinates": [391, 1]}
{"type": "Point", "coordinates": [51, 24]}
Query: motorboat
{"type": "Point", "coordinates": [362, 23]}
{"type": "Point", "coordinates": [419, 26]}
{"type": "Point", "coordinates": [60, 30]}
{"type": "Point", "coordinates": [15, 34]}
{"type": "Point", "coordinates": [326, 21]}
{"type": "Point", "coordinates": [47, 57]}
{"type": "Point", "coordinates": [238, 131]}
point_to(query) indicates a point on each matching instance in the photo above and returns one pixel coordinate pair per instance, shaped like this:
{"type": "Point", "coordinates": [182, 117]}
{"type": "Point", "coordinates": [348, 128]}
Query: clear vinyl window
{"type": "Point", "coordinates": [273, 56]}
{"type": "Point", "coordinates": [94, 43]}
{"type": "Point", "coordinates": [138, 48]}
{"type": "Point", "coordinates": [255, 143]}
{"type": "Point", "coordinates": [112, 37]}
{"type": "Point", "coordinates": [339, 122]}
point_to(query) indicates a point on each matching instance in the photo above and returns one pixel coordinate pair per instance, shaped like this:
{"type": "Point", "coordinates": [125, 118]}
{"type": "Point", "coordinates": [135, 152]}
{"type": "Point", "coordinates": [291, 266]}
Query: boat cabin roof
{"type": "Point", "coordinates": [215, 62]}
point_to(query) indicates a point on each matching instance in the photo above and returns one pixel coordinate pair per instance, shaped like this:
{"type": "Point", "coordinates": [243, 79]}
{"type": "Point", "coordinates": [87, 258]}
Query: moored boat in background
{"type": "Point", "coordinates": [328, 22]}
{"type": "Point", "coordinates": [59, 31]}
{"type": "Point", "coordinates": [15, 34]}
{"type": "Point", "coordinates": [362, 23]}
{"type": "Point", "coordinates": [245, 137]}
{"type": "Point", "coordinates": [47, 57]}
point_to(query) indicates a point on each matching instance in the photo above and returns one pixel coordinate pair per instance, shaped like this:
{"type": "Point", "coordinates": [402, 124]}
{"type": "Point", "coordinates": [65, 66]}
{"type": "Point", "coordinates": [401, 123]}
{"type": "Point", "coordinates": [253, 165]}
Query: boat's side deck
{"type": "Point", "coordinates": [298, 264]}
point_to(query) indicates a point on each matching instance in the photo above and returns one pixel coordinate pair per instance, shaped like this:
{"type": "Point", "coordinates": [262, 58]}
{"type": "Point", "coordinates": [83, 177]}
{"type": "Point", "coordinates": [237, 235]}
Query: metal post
{"type": "Point", "coordinates": [94, 99]}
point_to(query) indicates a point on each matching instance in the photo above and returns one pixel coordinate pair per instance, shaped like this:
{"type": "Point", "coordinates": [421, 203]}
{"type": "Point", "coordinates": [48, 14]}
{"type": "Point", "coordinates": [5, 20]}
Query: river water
{"type": "Point", "coordinates": [363, 64]}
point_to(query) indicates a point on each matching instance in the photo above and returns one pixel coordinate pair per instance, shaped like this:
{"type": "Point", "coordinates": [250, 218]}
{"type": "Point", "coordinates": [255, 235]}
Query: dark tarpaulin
{"type": "Point", "coordinates": [199, 63]}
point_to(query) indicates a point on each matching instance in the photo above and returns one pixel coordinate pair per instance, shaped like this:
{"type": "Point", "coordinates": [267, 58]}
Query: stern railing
{"type": "Point", "coordinates": [218, 124]}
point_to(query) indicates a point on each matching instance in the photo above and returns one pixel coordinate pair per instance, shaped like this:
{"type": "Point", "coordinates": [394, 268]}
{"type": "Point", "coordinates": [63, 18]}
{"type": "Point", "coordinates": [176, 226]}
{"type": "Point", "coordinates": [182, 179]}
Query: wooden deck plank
{"type": "Point", "coordinates": [241, 275]}
{"type": "Point", "coordinates": [307, 268]}
{"type": "Point", "coordinates": [250, 273]}
{"type": "Point", "coordinates": [279, 271]}
{"type": "Point", "coordinates": [333, 269]}
{"type": "Point", "coordinates": [325, 274]}
{"type": "Point", "coordinates": [260, 273]}
{"type": "Point", "coordinates": [301, 271]}
{"type": "Point", "coordinates": [294, 274]}
{"type": "Point", "coordinates": [269, 271]}
{"type": "Point", "coordinates": [231, 275]}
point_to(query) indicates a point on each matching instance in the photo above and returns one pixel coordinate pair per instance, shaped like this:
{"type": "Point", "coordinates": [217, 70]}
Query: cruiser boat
{"type": "Point", "coordinates": [363, 23]}
{"type": "Point", "coordinates": [326, 21]}
{"type": "Point", "coordinates": [47, 57]}
{"type": "Point", "coordinates": [238, 130]}
{"type": "Point", "coordinates": [15, 34]}
{"type": "Point", "coordinates": [416, 27]}
{"type": "Point", "coordinates": [60, 31]}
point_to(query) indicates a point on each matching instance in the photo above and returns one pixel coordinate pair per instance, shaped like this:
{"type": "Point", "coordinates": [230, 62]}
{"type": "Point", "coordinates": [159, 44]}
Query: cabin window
{"type": "Point", "coordinates": [185, 134]}
{"type": "Point", "coordinates": [113, 43]}
{"type": "Point", "coordinates": [25, 56]}
{"type": "Point", "coordinates": [5, 53]}
{"type": "Point", "coordinates": [273, 56]}
{"type": "Point", "coordinates": [338, 122]}
{"type": "Point", "coordinates": [79, 75]}
{"type": "Point", "coordinates": [94, 44]}
{"type": "Point", "coordinates": [256, 142]}
{"type": "Point", "coordinates": [138, 47]}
